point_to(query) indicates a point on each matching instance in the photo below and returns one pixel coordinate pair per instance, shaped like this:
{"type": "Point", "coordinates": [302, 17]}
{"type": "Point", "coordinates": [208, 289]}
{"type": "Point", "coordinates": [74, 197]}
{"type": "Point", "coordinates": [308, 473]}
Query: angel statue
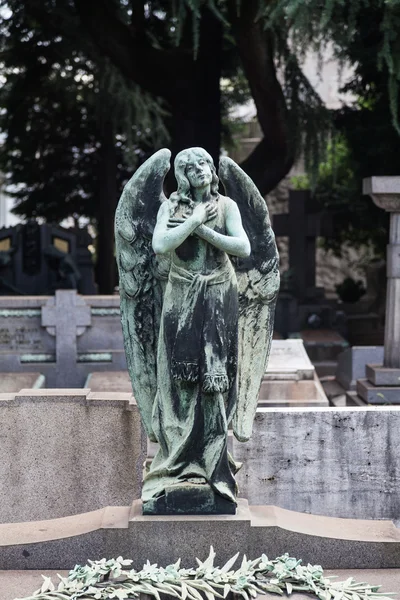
{"type": "Point", "coordinates": [198, 283]}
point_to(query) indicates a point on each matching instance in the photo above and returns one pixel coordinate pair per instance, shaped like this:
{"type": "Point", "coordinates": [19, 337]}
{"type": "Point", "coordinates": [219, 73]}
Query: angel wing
{"type": "Point", "coordinates": [141, 275]}
{"type": "Point", "coordinates": [258, 283]}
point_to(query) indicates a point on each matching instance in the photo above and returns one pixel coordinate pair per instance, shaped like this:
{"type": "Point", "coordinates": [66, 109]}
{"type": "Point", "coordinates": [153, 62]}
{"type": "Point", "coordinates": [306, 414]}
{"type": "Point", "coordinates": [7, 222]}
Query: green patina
{"type": "Point", "coordinates": [105, 312]}
{"type": "Point", "coordinates": [20, 312]}
{"type": "Point", "coordinates": [37, 358]}
{"type": "Point", "coordinates": [89, 357]}
{"type": "Point", "coordinates": [198, 282]}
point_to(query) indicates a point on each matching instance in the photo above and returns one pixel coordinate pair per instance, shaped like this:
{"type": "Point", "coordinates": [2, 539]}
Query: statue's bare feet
{"type": "Point", "coordinates": [197, 480]}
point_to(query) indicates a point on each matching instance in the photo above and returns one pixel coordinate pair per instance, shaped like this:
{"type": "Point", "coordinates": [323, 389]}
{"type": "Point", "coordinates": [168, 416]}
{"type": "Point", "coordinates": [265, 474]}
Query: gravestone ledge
{"type": "Point", "coordinates": [122, 530]}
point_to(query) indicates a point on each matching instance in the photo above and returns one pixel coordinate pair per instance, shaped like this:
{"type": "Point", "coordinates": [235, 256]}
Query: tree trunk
{"type": "Point", "coordinates": [273, 158]}
{"type": "Point", "coordinates": [195, 96]}
{"type": "Point", "coordinates": [107, 195]}
{"type": "Point", "coordinates": [196, 103]}
{"type": "Point", "coordinates": [191, 88]}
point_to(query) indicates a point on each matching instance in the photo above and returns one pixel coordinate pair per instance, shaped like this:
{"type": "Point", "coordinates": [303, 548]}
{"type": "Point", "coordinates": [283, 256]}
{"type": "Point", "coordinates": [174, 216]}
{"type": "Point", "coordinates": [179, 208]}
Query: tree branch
{"type": "Point", "coordinates": [133, 55]}
{"type": "Point", "coordinates": [271, 160]}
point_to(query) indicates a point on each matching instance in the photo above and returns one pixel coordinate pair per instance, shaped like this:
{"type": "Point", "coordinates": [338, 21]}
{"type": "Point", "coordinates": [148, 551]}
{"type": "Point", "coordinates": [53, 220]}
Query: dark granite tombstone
{"type": "Point", "coordinates": [303, 224]}
{"type": "Point", "coordinates": [301, 304]}
{"type": "Point", "coordinates": [38, 259]}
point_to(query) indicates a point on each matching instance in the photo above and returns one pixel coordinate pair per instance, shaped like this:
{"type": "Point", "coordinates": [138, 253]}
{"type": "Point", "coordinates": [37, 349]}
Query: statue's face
{"type": "Point", "coordinates": [198, 172]}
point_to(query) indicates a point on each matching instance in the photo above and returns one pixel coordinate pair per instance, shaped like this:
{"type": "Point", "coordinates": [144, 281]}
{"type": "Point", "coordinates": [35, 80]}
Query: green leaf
{"type": "Point", "coordinates": [121, 594]}
{"type": "Point", "coordinates": [152, 590]}
{"type": "Point", "coordinates": [47, 585]}
{"type": "Point", "coordinates": [209, 562]}
{"type": "Point", "coordinates": [184, 590]}
{"type": "Point", "coordinates": [227, 566]}
{"type": "Point", "coordinates": [274, 588]}
{"type": "Point", "coordinates": [193, 592]}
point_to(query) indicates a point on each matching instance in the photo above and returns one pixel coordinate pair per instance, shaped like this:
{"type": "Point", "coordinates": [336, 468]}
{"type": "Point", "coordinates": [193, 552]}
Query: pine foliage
{"type": "Point", "coordinates": [299, 27]}
{"type": "Point", "coordinates": [56, 96]}
{"type": "Point", "coordinates": [55, 75]}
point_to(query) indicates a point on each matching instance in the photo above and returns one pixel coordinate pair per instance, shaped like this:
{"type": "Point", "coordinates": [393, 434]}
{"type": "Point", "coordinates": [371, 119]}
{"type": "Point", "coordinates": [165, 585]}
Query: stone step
{"type": "Point", "coordinates": [373, 394]}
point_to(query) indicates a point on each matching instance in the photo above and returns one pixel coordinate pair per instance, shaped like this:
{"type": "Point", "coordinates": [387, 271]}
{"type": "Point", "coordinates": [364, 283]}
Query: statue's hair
{"type": "Point", "coordinates": [183, 193]}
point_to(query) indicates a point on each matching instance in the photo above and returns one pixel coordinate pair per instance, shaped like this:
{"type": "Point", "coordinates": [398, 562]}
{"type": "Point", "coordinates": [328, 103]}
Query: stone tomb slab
{"type": "Point", "coordinates": [64, 337]}
{"type": "Point", "coordinates": [292, 393]}
{"type": "Point", "coordinates": [22, 336]}
{"type": "Point", "coordinates": [323, 345]}
{"type": "Point", "coordinates": [353, 399]}
{"type": "Point", "coordinates": [14, 382]}
{"type": "Point", "coordinates": [289, 360]}
{"type": "Point", "coordinates": [111, 381]}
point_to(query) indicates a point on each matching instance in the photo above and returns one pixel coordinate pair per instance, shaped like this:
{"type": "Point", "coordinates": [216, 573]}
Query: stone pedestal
{"type": "Point", "coordinates": [124, 531]}
{"type": "Point", "coordinates": [382, 383]}
{"type": "Point", "coordinates": [189, 499]}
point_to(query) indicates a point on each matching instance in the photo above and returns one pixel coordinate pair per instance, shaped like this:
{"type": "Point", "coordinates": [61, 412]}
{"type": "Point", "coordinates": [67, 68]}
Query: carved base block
{"type": "Point", "coordinates": [379, 375]}
{"type": "Point", "coordinates": [189, 499]}
{"type": "Point", "coordinates": [374, 394]}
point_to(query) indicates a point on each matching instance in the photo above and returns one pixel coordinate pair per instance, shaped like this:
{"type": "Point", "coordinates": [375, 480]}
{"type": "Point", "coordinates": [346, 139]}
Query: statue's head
{"type": "Point", "coordinates": [194, 167]}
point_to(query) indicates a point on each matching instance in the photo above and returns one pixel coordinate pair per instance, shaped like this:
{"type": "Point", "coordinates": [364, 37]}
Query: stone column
{"type": "Point", "coordinates": [3, 203]}
{"type": "Point", "coordinates": [392, 326]}
{"type": "Point", "coordinates": [383, 381]}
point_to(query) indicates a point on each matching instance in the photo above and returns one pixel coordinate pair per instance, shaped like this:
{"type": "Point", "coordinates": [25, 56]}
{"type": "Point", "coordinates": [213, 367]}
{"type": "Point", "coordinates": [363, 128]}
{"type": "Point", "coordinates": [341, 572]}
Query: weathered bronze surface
{"type": "Point", "coordinates": [198, 283]}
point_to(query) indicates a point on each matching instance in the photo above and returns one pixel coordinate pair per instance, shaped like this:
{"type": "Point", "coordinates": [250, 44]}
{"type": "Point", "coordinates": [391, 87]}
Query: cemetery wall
{"type": "Point", "coordinates": [337, 462]}
{"type": "Point", "coordinates": [67, 452]}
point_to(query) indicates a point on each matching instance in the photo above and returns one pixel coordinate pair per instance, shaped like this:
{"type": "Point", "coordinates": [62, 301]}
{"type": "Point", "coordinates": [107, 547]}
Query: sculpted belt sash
{"type": "Point", "coordinates": [196, 356]}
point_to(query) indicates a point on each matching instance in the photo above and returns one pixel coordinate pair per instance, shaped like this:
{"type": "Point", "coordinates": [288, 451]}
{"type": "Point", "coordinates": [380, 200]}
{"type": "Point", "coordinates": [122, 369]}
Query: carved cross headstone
{"type": "Point", "coordinates": [66, 316]}
{"type": "Point", "coordinates": [302, 224]}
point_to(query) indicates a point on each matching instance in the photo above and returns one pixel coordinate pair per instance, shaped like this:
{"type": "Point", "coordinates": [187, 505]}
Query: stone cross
{"type": "Point", "coordinates": [66, 316]}
{"type": "Point", "coordinates": [302, 224]}
{"type": "Point", "coordinates": [385, 192]}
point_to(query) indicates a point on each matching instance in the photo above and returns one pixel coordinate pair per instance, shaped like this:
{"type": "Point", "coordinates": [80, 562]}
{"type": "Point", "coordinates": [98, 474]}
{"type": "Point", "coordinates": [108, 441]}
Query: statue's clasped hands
{"type": "Point", "coordinates": [202, 212]}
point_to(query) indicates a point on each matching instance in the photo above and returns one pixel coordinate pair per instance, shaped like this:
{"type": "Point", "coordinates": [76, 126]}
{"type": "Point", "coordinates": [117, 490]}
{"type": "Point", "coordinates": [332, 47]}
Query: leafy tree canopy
{"type": "Point", "coordinates": [91, 84]}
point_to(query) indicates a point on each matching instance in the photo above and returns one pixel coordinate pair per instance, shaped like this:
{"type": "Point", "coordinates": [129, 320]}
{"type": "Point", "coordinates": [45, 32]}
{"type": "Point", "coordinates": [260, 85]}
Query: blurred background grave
{"type": "Point", "coordinates": [38, 259]}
